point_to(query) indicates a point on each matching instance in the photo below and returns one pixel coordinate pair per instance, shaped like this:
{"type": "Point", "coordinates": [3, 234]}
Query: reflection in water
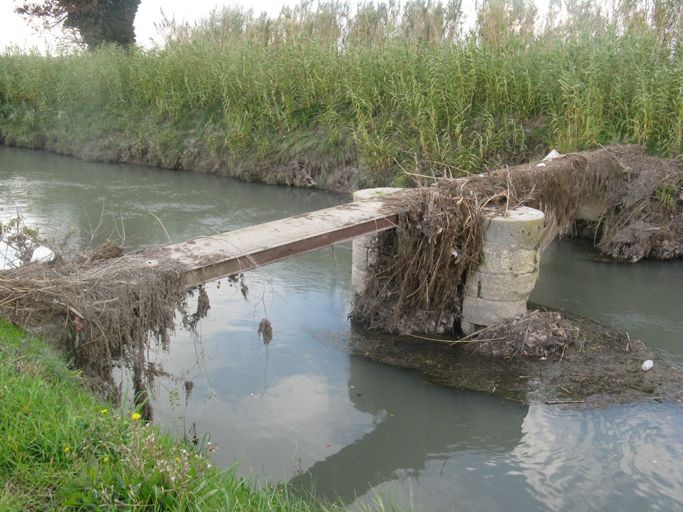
{"type": "Point", "coordinates": [622, 458]}
{"type": "Point", "coordinates": [353, 423]}
{"type": "Point", "coordinates": [58, 193]}
{"type": "Point", "coordinates": [301, 414]}
{"type": "Point", "coordinates": [414, 424]}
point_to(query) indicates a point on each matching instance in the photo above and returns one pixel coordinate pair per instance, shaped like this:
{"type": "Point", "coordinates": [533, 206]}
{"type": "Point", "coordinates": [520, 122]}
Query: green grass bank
{"type": "Point", "coordinates": [63, 450]}
{"type": "Point", "coordinates": [355, 98]}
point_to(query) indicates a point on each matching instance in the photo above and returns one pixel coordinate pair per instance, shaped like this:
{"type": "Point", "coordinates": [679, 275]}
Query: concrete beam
{"type": "Point", "coordinates": [213, 257]}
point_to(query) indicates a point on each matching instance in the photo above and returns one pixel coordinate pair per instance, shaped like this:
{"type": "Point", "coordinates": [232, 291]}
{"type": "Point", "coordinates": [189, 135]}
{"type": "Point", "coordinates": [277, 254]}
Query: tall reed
{"type": "Point", "coordinates": [384, 87]}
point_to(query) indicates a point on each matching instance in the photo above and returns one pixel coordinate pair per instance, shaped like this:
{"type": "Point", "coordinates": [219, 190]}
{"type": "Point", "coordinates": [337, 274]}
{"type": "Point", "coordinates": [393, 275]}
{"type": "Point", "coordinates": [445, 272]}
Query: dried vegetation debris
{"type": "Point", "coordinates": [418, 281]}
{"type": "Point", "coordinates": [533, 334]}
{"type": "Point", "coordinates": [105, 311]}
{"type": "Point", "coordinates": [422, 265]}
{"type": "Point", "coordinates": [644, 207]}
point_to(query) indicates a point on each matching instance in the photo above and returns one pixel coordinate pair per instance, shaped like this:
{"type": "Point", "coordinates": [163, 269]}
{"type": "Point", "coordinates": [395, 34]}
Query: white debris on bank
{"type": "Point", "coordinates": [42, 254]}
{"type": "Point", "coordinates": [552, 155]}
{"type": "Point", "coordinates": [10, 258]}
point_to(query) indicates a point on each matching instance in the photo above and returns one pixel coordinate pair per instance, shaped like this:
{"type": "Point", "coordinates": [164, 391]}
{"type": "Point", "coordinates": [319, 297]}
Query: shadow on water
{"type": "Point", "coordinates": [415, 423]}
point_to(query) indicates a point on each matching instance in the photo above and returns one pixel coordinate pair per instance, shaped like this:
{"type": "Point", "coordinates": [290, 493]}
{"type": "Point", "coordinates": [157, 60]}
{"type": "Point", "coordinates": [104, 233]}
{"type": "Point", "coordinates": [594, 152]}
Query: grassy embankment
{"type": "Point", "coordinates": [390, 90]}
{"type": "Point", "coordinates": [62, 450]}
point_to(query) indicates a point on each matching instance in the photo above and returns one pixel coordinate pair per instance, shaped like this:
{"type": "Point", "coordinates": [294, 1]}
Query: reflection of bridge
{"type": "Point", "coordinates": [411, 431]}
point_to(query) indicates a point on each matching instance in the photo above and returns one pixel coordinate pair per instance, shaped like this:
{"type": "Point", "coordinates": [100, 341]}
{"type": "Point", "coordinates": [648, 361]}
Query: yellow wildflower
{"type": "Point", "coordinates": [105, 459]}
{"type": "Point", "coordinates": [135, 416]}
{"type": "Point", "coordinates": [103, 411]}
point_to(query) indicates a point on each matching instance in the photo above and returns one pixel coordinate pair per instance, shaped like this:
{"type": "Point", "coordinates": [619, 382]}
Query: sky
{"type": "Point", "coordinates": [14, 31]}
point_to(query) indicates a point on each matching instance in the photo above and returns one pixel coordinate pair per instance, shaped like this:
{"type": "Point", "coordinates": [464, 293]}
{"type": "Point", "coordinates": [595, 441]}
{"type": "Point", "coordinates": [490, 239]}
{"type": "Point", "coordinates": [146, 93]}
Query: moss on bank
{"type": "Point", "coordinates": [63, 450]}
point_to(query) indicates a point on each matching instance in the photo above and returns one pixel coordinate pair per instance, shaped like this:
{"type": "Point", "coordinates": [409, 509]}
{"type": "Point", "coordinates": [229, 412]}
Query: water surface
{"type": "Point", "coordinates": [361, 430]}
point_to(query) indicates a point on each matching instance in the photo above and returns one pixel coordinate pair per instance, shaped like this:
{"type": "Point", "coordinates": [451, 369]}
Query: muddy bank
{"type": "Point", "coordinates": [307, 168]}
{"type": "Point", "coordinates": [574, 361]}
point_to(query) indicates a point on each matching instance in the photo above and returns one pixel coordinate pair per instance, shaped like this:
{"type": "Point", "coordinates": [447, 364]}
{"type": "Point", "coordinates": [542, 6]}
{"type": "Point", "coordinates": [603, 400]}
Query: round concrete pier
{"type": "Point", "coordinates": [508, 269]}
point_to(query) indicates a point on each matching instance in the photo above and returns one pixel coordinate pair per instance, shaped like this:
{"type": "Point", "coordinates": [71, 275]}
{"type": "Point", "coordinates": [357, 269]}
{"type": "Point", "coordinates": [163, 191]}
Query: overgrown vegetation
{"type": "Point", "coordinates": [342, 97]}
{"type": "Point", "coordinates": [418, 282]}
{"type": "Point", "coordinates": [62, 450]}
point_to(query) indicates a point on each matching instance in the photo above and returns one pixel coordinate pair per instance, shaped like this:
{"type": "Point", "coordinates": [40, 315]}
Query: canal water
{"type": "Point", "coordinates": [363, 430]}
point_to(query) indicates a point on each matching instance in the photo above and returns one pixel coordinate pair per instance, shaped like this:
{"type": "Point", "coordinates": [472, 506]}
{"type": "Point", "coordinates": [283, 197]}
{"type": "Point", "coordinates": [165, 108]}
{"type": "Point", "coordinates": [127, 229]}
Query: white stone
{"type": "Point", "coordinates": [508, 261]}
{"type": "Point", "coordinates": [592, 208]}
{"type": "Point", "coordinates": [468, 328]}
{"type": "Point", "coordinates": [501, 287]}
{"type": "Point", "coordinates": [521, 227]}
{"type": "Point", "coordinates": [358, 278]}
{"type": "Point", "coordinates": [489, 312]}
{"type": "Point", "coordinates": [647, 365]}
{"type": "Point", "coordinates": [508, 269]}
{"type": "Point", "coordinates": [364, 252]}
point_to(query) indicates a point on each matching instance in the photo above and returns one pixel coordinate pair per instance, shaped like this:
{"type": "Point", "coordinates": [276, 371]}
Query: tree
{"type": "Point", "coordinates": [96, 21]}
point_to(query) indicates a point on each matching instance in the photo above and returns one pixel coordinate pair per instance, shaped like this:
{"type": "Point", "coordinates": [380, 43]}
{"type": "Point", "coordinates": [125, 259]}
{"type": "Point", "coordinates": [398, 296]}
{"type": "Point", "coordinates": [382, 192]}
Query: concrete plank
{"type": "Point", "coordinates": [213, 257]}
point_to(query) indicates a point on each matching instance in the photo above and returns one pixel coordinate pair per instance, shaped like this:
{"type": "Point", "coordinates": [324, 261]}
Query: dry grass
{"type": "Point", "coordinates": [105, 313]}
{"type": "Point", "coordinates": [419, 280]}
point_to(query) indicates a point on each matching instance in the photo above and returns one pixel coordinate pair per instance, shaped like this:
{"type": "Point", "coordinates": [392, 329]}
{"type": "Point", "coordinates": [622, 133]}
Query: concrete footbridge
{"type": "Point", "coordinates": [498, 290]}
{"type": "Point", "coordinates": [494, 288]}
{"type": "Point", "coordinates": [209, 258]}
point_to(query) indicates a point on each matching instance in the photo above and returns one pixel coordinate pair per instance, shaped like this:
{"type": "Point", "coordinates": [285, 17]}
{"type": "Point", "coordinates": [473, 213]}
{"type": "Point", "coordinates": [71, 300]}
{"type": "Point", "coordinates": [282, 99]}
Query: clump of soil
{"type": "Point", "coordinates": [418, 281]}
{"type": "Point", "coordinates": [644, 208]}
{"type": "Point", "coordinates": [574, 362]}
{"type": "Point", "coordinates": [107, 251]}
{"type": "Point", "coordinates": [105, 310]}
{"type": "Point", "coordinates": [534, 334]}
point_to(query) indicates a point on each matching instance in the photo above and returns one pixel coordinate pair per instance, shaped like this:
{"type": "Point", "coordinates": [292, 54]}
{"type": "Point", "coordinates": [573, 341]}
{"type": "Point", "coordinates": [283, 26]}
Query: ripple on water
{"type": "Point", "coordinates": [621, 458]}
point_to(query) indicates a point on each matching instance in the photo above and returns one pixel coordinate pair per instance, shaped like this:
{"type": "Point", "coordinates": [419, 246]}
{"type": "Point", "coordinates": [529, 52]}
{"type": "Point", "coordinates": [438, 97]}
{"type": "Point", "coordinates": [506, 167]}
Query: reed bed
{"type": "Point", "coordinates": [388, 89]}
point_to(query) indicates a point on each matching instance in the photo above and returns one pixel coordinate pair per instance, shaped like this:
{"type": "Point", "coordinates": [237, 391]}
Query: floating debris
{"type": "Point", "coordinates": [265, 329]}
{"type": "Point", "coordinates": [533, 334]}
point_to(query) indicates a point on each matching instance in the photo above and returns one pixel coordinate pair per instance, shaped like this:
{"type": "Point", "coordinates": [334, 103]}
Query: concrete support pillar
{"type": "Point", "coordinates": [508, 270]}
{"type": "Point", "coordinates": [365, 247]}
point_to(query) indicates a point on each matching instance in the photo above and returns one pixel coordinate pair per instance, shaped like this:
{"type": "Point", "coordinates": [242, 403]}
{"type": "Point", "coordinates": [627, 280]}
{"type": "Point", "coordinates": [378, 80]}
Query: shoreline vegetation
{"type": "Point", "coordinates": [340, 98]}
{"type": "Point", "coordinates": [64, 450]}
